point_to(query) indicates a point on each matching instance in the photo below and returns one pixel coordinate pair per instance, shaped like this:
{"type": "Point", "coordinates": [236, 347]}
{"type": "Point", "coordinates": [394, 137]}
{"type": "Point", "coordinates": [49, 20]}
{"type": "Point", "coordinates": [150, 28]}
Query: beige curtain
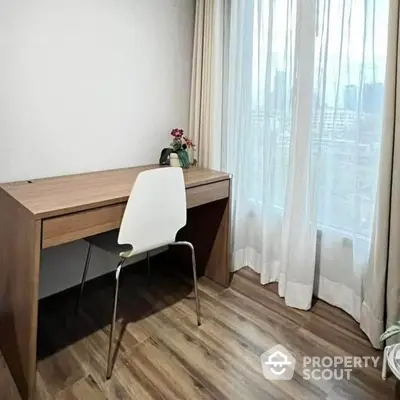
{"type": "Point", "coordinates": [206, 88]}
{"type": "Point", "coordinates": [381, 291]}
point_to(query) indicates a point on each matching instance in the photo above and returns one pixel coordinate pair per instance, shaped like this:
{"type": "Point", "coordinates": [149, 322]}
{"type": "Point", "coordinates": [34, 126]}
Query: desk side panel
{"type": "Point", "coordinates": [20, 236]}
{"type": "Point", "coordinates": [208, 229]}
{"type": "Point", "coordinates": [218, 267]}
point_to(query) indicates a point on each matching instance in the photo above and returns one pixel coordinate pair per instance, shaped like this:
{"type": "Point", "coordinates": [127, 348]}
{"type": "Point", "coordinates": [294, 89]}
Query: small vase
{"type": "Point", "coordinates": [174, 160]}
{"type": "Point", "coordinates": [183, 158]}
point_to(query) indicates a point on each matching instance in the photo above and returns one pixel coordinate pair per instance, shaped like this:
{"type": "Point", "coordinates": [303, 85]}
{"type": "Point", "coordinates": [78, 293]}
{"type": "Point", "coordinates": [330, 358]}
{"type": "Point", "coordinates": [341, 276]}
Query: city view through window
{"type": "Point", "coordinates": [347, 103]}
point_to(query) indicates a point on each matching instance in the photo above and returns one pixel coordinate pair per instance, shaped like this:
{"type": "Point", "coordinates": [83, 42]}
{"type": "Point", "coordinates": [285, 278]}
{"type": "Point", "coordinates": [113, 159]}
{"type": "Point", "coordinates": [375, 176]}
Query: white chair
{"type": "Point", "coordinates": [155, 211]}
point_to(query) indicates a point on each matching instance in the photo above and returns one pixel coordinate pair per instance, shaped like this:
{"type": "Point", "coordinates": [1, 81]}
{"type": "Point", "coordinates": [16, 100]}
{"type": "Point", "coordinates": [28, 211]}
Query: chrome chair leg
{"type": "Point", "coordinates": [85, 270]}
{"type": "Point", "coordinates": [188, 244]}
{"type": "Point", "coordinates": [114, 316]}
{"type": "Point", "coordinates": [148, 269]}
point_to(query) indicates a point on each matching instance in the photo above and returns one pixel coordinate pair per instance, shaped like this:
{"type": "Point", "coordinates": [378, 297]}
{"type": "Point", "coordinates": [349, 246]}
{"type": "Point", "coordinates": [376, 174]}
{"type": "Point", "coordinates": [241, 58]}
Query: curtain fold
{"type": "Point", "coordinates": [381, 294]}
{"type": "Point", "coordinates": [205, 117]}
{"type": "Point", "coordinates": [347, 120]}
{"type": "Point", "coordinates": [299, 230]}
{"type": "Point", "coordinates": [270, 100]}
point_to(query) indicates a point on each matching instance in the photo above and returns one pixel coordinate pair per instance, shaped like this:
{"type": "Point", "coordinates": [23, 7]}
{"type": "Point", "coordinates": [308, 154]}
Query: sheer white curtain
{"type": "Point", "coordinates": [347, 131]}
{"type": "Point", "coordinates": [302, 132]}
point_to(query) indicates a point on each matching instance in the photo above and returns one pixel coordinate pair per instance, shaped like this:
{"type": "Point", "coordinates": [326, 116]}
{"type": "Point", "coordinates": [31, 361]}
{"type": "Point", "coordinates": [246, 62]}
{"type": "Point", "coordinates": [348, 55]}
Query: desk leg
{"type": "Point", "coordinates": [208, 229]}
{"type": "Point", "coordinates": [219, 260]}
{"type": "Point", "coordinates": [20, 241]}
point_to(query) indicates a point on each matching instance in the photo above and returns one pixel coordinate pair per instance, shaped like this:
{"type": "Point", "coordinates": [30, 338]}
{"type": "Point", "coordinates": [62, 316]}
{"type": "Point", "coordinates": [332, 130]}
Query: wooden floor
{"type": "Point", "coordinates": [162, 353]}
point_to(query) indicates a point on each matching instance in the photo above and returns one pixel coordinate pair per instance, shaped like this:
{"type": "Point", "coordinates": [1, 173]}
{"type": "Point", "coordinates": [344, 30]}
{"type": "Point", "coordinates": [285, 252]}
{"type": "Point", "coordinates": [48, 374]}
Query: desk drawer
{"type": "Point", "coordinates": [68, 228]}
{"type": "Point", "coordinates": [198, 195]}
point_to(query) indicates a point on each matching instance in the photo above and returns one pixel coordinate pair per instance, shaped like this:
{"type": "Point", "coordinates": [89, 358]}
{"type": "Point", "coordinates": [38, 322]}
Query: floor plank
{"type": "Point", "coordinates": [86, 388]}
{"type": "Point", "coordinates": [161, 353]}
{"type": "Point", "coordinates": [8, 390]}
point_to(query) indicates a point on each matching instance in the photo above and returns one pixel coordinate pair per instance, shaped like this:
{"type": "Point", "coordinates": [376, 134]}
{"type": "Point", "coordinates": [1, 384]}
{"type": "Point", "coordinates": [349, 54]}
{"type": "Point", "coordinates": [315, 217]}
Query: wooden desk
{"type": "Point", "coordinates": [47, 212]}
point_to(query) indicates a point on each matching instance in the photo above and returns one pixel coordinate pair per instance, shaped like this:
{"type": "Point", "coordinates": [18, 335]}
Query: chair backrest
{"type": "Point", "coordinates": [155, 211]}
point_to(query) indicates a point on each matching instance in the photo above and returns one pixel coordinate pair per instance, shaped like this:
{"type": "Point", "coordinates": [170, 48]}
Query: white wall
{"type": "Point", "coordinates": [89, 85]}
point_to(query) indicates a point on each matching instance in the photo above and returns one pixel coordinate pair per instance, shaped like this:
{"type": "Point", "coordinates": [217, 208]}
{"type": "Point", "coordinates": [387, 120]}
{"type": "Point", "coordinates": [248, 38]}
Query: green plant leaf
{"type": "Point", "coordinates": [391, 331]}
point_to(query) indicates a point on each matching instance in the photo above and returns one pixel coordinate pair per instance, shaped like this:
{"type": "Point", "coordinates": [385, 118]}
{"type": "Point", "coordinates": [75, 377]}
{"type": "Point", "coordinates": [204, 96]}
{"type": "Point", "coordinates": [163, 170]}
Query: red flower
{"type": "Point", "coordinates": [177, 133]}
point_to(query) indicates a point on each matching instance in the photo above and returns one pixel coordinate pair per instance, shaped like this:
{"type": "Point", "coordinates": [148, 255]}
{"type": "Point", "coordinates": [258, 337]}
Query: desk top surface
{"type": "Point", "coordinates": [56, 196]}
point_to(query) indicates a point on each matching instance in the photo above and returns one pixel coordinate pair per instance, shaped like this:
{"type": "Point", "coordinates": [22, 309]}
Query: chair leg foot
{"type": "Point", "coordinates": [114, 315]}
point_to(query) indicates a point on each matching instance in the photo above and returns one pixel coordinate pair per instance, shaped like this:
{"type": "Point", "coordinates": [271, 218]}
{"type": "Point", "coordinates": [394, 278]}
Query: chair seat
{"type": "Point", "coordinates": [108, 242]}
